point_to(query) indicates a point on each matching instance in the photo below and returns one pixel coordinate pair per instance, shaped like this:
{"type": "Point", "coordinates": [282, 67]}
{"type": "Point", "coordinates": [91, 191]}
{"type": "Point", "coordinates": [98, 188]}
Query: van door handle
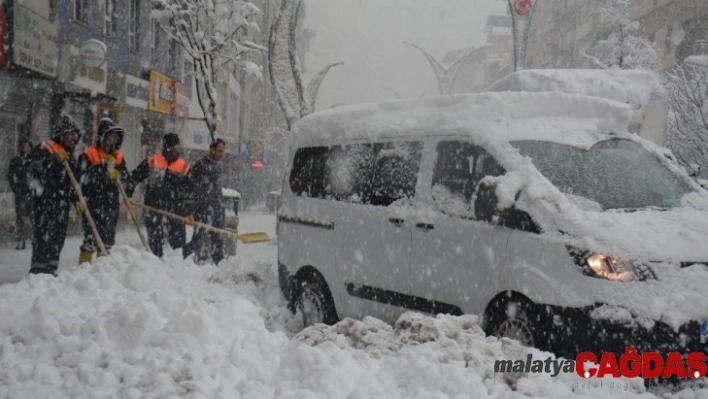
{"type": "Point", "coordinates": [425, 226]}
{"type": "Point", "coordinates": [397, 221]}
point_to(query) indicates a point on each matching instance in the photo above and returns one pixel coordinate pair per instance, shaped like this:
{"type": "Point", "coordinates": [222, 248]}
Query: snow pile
{"type": "Point", "coordinates": [133, 326]}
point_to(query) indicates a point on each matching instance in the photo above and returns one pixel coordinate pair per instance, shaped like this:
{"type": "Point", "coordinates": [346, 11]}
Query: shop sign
{"type": "Point", "coordinates": [136, 91]}
{"type": "Point", "coordinates": [35, 44]}
{"type": "Point", "coordinates": [94, 79]}
{"type": "Point", "coordinates": [3, 37]}
{"type": "Point", "coordinates": [160, 95]}
{"type": "Point", "coordinates": [92, 53]}
{"type": "Point", "coordinates": [182, 99]}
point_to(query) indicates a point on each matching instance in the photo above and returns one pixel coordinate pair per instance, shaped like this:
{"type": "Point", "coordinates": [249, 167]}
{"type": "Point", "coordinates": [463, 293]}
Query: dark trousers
{"type": "Point", "coordinates": [49, 228]}
{"type": "Point", "coordinates": [215, 218]}
{"type": "Point", "coordinates": [106, 219]}
{"type": "Point", "coordinates": [23, 211]}
{"type": "Point", "coordinates": [155, 225]}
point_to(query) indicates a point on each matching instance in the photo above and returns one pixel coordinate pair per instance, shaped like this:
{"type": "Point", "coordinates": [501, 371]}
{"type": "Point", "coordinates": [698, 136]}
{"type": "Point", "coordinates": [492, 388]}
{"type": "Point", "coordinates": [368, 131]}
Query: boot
{"type": "Point", "coordinates": [85, 257]}
{"type": "Point", "coordinates": [20, 244]}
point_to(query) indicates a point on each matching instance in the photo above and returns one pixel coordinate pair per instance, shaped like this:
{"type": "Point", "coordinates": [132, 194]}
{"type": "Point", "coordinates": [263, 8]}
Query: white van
{"type": "Point", "coordinates": [537, 211]}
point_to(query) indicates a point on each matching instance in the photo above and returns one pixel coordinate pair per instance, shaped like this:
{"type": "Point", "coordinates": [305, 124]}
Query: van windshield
{"type": "Point", "coordinates": [615, 173]}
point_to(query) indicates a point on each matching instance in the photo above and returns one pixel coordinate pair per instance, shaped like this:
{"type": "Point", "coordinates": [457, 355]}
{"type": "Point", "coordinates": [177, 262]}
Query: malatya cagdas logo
{"type": "Point", "coordinates": [629, 364]}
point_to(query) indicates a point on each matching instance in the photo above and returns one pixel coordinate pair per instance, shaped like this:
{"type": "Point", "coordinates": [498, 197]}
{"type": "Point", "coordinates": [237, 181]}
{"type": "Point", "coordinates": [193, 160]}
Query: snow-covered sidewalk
{"type": "Point", "coordinates": [134, 326]}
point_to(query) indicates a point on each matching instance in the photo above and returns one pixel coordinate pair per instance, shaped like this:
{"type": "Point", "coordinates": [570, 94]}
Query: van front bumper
{"type": "Point", "coordinates": [575, 330]}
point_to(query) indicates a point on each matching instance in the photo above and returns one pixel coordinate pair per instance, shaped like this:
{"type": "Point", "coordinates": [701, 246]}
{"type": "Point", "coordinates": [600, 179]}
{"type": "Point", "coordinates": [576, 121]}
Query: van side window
{"type": "Point", "coordinates": [376, 174]}
{"type": "Point", "coordinates": [459, 168]}
{"type": "Point", "coordinates": [394, 173]}
{"type": "Point", "coordinates": [307, 177]}
{"type": "Point", "coordinates": [349, 171]}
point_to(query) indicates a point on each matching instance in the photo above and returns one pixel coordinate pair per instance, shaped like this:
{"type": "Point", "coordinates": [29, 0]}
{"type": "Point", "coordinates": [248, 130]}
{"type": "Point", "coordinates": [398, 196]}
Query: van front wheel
{"type": "Point", "coordinates": [315, 302]}
{"type": "Point", "coordinates": [516, 318]}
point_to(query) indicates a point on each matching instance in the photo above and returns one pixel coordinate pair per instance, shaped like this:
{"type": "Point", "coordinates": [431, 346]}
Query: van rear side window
{"type": "Point", "coordinates": [375, 174]}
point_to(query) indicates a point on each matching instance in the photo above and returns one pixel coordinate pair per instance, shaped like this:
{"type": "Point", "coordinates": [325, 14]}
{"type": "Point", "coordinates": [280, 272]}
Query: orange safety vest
{"type": "Point", "coordinates": [53, 147]}
{"type": "Point", "coordinates": [158, 161]}
{"type": "Point", "coordinates": [97, 156]}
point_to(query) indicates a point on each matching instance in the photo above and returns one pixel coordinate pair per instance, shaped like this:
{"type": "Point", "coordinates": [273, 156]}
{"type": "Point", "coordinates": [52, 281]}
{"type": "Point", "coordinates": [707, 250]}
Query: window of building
{"type": "Point", "coordinates": [79, 13]}
{"type": "Point", "coordinates": [52, 10]}
{"type": "Point", "coordinates": [108, 22]}
{"type": "Point", "coordinates": [188, 73]}
{"type": "Point", "coordinates": [134, 25]}
{"type": "Point", "coordinates": [172, 56]}
{"type": "Point", "coordinates": [155, 41]}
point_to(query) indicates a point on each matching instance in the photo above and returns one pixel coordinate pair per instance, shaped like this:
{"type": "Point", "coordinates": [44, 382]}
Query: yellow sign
{"type": "Point", "coordinates": [160, 95]}
{"type": "Point", "coordinates": [256, 148]}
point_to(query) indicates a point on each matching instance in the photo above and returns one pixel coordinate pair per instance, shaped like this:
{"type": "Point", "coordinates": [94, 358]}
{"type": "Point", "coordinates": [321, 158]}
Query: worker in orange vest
{"type": "Point", "coordinates": [168, 188]}
{"type": "Point", "coordinates": [52, 194]}
{"type": "Point", "coordinates": [100, 165]}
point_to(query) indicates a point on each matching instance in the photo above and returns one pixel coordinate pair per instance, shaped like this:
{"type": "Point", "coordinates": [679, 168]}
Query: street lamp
{"type": "Point", "coordinates": [446, 76]}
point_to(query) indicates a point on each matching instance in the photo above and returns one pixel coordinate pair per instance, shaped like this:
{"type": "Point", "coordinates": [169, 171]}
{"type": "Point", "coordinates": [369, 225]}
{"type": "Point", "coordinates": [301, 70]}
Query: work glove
{"type": "Point", "coordinates": [63, 156]}
{"type": "Point", "coordinates": [78, 208]}
{"type": "Point", "coordinates": [113, 174]}
{"type": "Point", "coordinates": [190, 220]}
{"type": "Point", "coordinates": [110, 159]}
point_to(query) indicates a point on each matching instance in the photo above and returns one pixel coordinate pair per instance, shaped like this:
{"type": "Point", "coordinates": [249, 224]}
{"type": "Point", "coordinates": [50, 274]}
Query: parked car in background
{"type": "Point", "coordinates": [537, 211]}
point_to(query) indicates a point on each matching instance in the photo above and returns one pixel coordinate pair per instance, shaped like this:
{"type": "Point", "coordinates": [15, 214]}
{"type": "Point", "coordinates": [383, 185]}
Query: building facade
{"type": "Point", "coordinates": [562, 30]}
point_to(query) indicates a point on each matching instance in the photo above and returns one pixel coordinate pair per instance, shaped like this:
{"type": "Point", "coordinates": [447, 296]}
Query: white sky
{"type": "Point", "coordinates": [367, 36]}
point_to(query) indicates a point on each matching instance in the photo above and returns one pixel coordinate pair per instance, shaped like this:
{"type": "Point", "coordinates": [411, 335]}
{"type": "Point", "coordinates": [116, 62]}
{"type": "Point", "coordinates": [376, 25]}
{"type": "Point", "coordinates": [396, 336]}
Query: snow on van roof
{"type": "Point", "coordinates": [504, 116]}
{"type": "Point", "coordinates": [635, 87]}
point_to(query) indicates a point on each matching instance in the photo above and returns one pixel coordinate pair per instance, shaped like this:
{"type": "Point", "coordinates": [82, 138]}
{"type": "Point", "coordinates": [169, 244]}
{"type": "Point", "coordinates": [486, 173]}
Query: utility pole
{"type": "Point", "coordinates": [521, 12]}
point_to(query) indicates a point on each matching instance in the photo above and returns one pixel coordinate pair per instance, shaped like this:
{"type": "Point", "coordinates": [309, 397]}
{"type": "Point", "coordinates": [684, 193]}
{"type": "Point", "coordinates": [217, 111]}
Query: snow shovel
{"type": "Point", "coordinates": [128, 205]}
{"type": "Point", "coordinates": [246, 238]}
{"type": "Point", "coordinates": [77, 189]}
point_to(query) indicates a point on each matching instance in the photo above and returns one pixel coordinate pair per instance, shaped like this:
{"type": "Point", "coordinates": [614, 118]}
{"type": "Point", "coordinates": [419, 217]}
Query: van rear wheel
{"type": "Point", "coordinates": [315, 302]}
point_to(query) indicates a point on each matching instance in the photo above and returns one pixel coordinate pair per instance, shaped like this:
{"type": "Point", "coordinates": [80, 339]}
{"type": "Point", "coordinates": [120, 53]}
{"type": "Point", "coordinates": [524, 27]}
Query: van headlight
{"type": "Point", "coordinates": [610, 267]}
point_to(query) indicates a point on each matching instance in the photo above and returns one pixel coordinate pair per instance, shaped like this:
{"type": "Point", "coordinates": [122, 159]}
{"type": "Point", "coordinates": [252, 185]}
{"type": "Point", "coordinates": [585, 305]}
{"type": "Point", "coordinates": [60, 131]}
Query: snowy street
{"type": "Point", "coordinates": [418, 199]}
{"type": "Point", "coordinates": [132, 326]}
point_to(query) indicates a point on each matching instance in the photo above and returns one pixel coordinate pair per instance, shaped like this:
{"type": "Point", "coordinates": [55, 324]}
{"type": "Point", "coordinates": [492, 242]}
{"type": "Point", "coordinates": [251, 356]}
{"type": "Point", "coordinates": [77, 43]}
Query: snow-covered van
{"type": "Point", "coordinates": [537, 211]}
{"type": "Point", "coordinates": [641, 89]}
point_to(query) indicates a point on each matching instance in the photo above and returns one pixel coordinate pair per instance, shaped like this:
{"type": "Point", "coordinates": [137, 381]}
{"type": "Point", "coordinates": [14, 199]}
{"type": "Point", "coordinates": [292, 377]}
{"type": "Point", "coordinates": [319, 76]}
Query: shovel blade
{"type": "Point", "coordinates": [252, 238]}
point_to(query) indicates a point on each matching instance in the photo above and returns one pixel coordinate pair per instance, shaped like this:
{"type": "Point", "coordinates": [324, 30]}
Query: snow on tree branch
{"type": "Point", "coordinates": [622, 47]}
{"type": "Point", "coordinates": [284, 65]}
{"type": "Point", "coordinates": [211, 33]}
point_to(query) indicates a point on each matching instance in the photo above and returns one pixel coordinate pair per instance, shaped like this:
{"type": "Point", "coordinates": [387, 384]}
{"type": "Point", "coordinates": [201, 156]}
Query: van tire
{"type": "Point", "coordinates": [513, 316]}
{"type": "Point", "coordinates": [314, 299]}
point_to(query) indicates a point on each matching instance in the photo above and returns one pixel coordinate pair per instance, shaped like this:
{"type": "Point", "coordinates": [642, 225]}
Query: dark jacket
{"type": "Point", "coordinates": [168, 186]}
{"type": "Point", "coordinates": [17, 176]}
{"type": "Point", "coordinates": [206, 178]}
{"type": "Point", "coordinates": [49, 181]}
{"type": "Point", "coordinates": [101, 192]}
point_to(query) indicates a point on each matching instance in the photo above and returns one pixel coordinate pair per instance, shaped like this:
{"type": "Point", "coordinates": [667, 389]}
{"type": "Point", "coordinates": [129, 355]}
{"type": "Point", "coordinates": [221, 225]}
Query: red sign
{"type": "Point", "coordinates": [182, 96]}
{"type": "Point", "coordinates": [522, 7]}
{"type": "Point", "coordinates": [257, 164]}
{"type": "Point", "coordinates": [3, 37]}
